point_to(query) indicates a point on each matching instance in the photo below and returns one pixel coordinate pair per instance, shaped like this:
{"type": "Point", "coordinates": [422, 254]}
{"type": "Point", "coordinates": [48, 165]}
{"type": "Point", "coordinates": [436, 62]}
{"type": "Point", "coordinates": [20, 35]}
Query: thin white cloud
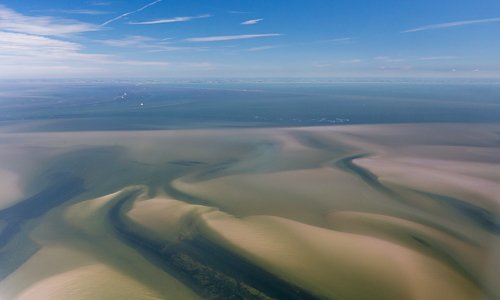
{"type": "Point", "coordinates": [237, 12]}
{"type": "Point", "coordinates": [141, 63]}
{"type": "Point", "coordinates": [130, 41]}
{"type": "Point", "coordinates": [438, 57]}
{"type": "Point", "coordinates": [101, 3]}
{"type": "Point", "coordinates": [334, 40]}
{"type": "Point", "coordinates": [155, 45]}
{"type": "Point", "coordinates": [388, 59]}
{"type": "Point", "coordinates": [321, 65]}
{"type": "Point", "coordinates": [452, 24]}
{"type": "Point", "coordinates": [395, 60]}
{"type": "Point", "coordinates": [250, 22]}
{"type": "Point", "coordinates": [85, 12]}
{"type": "Point", "coordinates": [74, 11]}
{"type": "Point", "coordinates": [264, 48]}
{"type": "Point", "coordinates": [15, 22]}
{"type": "Point", "coordinates": [28, 49]}
{"type": "Point", "coordinates": [230, 37]}
{"type": "Point", "coordinates": [129, 13]}
{"type": "Point", "coordinates": [351, 61]}
{"type": "Point", "coordinates": [33, 48]}
{"type": "Point", "coordinates": [176, 19]}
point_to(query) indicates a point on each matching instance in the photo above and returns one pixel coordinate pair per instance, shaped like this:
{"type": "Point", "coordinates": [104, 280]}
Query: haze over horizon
{"type": "Point", "coordinates": [156, 39]}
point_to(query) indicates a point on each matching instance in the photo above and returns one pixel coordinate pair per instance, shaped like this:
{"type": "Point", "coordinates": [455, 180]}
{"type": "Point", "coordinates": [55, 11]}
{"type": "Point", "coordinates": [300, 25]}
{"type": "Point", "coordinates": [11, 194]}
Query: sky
{"type": "Point", "coordinates": [252, 38]}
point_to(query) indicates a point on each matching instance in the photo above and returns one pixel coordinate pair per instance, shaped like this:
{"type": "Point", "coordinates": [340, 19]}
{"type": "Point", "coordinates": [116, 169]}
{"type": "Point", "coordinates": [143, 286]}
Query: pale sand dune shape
{"type": "Point", "coordinates": [487, 171]}
{"type": "Point", "coordinates": [89, 216]}
{"type": "Point", "coordinates": [453, 141]}
{"type": "Point", "coordinates": [10, 192]}
{"type": "Point", "coordinates": [99, 282]}
{"type": "Point", "coordinates": [417, 236]}
{"type": "Point", "coordinates": [399, 135]}
{"type": "Point", "coordinates": [48, 261]}
{"type": "Point", "coordinates": [276, 186]}
{"type": "Point", "coordinates": [85, 238]}
{"type": "Point", "coordinates": [456, 153]}
{"type": "Point", "coordinates": [165, 219]}
{"type": "Point", "coordinates": [301, 195]}
{"type": "Point", "coordinates": [326, 262]}
{"type": "Point", "coordinates": [418, 176]}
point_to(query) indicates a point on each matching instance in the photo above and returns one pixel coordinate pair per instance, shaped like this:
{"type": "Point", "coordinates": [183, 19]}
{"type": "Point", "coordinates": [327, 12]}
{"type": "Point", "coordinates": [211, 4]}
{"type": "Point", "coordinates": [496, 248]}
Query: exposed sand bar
{"type": "Point", "coordinates": [329, 263]}
{"type": "Point", "coordinates": [273, 197]}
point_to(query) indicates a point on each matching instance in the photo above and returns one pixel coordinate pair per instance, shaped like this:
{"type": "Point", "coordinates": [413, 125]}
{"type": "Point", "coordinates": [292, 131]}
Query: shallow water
{"type": "Point", "coordinates": [210, 210]}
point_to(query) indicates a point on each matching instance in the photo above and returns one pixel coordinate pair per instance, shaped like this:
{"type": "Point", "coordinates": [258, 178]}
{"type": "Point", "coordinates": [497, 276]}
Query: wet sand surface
{"type": "Point", "coordinates": [399, 211]}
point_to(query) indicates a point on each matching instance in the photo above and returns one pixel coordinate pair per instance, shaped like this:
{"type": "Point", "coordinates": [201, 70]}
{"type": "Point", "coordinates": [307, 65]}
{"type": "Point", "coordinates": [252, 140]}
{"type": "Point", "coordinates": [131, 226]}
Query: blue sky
{"type": "Point", "coordinates": [194, 38]}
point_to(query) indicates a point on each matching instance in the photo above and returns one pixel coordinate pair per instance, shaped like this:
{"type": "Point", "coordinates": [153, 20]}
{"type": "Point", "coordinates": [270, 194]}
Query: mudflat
{"type": "Point", "coordinates": [399, 211]}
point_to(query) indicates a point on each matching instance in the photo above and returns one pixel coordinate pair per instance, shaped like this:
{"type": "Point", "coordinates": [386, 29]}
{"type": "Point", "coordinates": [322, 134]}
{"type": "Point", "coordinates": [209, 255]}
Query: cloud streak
{"type": "Point", "coordinates": [129, 13]}
{"type": "Point", "coordinates": [176, 19]}
{"type": "Point", "coordinates": [264, 48]}
{"type": "Point", "coordinates": [230, 37]}
{"type": "Point", "coordinates": [152, 44]}
{"type": "Point", "coordinates": [452, 24]}
{"type": "Point", "coordinates": [438, 57]}
{"type": "Point", "coordinates": [34, 48]}
{"type": "Point", "coordinates": [335, 40]}
{"type": "Point", "coordinates": [250, 22]}
{"type": "Point", "coordinates": [100, 3]}
{"type": "Point", "coordinates": [85, 12]}
{"type": "Point", "coordinates": [74, 11]}
{"type": "Point", "coordinates": [13, 21]}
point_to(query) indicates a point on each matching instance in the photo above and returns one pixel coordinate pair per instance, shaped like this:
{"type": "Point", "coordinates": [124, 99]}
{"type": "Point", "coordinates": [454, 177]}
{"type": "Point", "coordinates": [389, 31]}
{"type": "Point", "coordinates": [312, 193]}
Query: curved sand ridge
{"type": "Point", "coordinates": [98, 282]}
{"type": "Point", "coordinates": [10, 190]}
{"type": "Point", "coordinates": [275, 197]}
{"type": "Point", "coordinates": [95, 265]}
{"type": "Point", "coordinates": [328, 263]}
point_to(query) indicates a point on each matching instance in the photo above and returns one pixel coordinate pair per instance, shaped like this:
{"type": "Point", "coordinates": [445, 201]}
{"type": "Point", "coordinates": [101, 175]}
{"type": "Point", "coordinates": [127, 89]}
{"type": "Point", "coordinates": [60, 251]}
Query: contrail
{"type": "Point", "coordinates": [451, 24]}
{"type": "Point", "coordinates": [126, 14]}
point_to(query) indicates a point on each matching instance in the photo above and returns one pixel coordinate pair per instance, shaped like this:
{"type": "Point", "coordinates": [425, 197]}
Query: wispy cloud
{"type": "Point", "coordinates": [452, 24]}
{"type": "Point", "coordinates": [154, 45]}
{"type": "Point", "coordinates": [13, 21]}
{"type": "Point", "coordinates": [335, 40]}
{"type": "Point", "coordinates": [250, 22]}
{"type": "Point", "coordinates": [176, 19]}
{"type": "Point", "coordinates": [74, 11]}
{"type": "Point", "coordinates": [237, 12]}
{"type": "Point", "coordinates": [26, 47]}
{"type": "Point", "coordinates": [130, 41]}
{"type": "Point", "coordinates": [129, 13]}
{"type": "Point", "coordinates": [141, 63]}
{"type": "Point", "coordinates": [351, 61]}
{"type": "Point", "coordinates": [101, 3]}
{"type": "Point", "coordinates": [438, 57]}
{"type": "Point", "coordinates": [265, 48]}
{"type": "Point", "coordinates": [388, 59]}
{"type": "Point", "coordinates": [230, 37]}
{"type": "Point", "coordinates": [85, 12]}
{"type": "Point", "coordinates": [26, 50]}
{"type": "Point", "coordinates": [321, 65]}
